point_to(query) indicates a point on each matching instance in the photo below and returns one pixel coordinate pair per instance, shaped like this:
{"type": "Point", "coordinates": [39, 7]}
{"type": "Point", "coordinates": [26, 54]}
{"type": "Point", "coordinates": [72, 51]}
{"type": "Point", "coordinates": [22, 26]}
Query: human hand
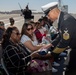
{"type": "Point", "coordinates": [43, 52]}
{"type": "Point", "coordinates": [35, 54]}
{"type": "Point", "coordinates": [47, 46]}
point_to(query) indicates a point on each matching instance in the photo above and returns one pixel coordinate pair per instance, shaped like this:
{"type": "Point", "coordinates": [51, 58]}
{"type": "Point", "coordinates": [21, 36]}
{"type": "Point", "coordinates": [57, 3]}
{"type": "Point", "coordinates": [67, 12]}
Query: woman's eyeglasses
{"type": "Point", "coordinates": [30, 28]}
{"type": "Point", "coordinates": [18, 33]}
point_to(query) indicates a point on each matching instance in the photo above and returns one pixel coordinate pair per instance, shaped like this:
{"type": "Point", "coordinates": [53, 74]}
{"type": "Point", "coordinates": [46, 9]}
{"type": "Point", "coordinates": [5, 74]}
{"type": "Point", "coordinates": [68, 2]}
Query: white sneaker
{"type": "Point", "coordinates": [56, 64]}
{"type": "Point", "coordinates": [54, 70]}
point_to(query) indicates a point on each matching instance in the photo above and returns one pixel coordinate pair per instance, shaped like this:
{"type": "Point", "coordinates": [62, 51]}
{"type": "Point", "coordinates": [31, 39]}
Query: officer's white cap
{"type": "Point", "coordinates": [46, 8]}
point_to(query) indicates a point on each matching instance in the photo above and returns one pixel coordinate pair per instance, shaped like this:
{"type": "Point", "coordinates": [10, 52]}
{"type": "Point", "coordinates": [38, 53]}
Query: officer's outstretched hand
{"type": "Point", "coordinates": [47, 46]}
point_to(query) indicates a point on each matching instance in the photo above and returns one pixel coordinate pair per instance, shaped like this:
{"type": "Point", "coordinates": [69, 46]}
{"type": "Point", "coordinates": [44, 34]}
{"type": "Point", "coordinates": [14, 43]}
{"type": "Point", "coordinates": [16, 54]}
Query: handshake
{"type": "Point", "coordinates": [39, 53]}
{"type": "Point", "coordinates": [43, 52]}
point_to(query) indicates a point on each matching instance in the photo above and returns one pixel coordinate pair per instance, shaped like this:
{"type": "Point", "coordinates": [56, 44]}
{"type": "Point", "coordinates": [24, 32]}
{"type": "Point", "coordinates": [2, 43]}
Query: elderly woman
{"type": "Point", "coordinates": [14, 52]}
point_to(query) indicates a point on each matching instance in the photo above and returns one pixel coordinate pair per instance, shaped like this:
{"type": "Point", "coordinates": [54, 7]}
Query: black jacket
{"type": "Point", "coordinates": [13, 57]}
{"type": "Point", "coordinates": [67, 31]}
{"type": "Point", "coordinates": [66, 37]}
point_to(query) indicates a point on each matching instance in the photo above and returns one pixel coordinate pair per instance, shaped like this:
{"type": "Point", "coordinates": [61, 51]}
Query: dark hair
{"type": "Point", "coordinates": [1, 23]}
{"type": "Point", "coordinates": [50, 22]}
{"type": "Point", "coordinates": [32, 22]}
{"type": "Point", "coordinates": [11, 20]}
{"type": "Point", "coordinates": [7, 34]}
{"type": "Point", "coordinates": [23, 31]}
{"type": "Point", "coordinates": [40, 19]}
{"type": "Point", "coordinates": [45, 18]}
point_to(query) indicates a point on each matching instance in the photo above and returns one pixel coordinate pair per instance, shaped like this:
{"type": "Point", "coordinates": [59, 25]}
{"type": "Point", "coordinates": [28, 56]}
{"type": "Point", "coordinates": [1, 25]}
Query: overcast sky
{"type": "Point", "coordinates": [8, 5]}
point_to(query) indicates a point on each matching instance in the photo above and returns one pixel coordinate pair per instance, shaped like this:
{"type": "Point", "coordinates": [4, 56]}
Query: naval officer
{"type": "Point", "coordinates": [66, 36]}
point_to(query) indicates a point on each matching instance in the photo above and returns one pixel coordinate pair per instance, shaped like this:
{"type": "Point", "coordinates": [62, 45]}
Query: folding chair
{"type": "Point", "coordinates": [4, 67]}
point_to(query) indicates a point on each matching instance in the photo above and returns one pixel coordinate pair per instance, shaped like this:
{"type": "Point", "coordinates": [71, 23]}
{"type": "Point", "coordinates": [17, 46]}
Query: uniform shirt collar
{"type": "Point", "coordinates": [58, 17]}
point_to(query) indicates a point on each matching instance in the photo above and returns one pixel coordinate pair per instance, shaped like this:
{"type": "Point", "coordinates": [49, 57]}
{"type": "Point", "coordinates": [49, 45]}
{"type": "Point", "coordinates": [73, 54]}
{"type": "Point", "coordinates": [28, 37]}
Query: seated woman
{"type": "Point", "coordinates": [38, 34]}
{"type": "Point", "coordinates": [29, 40]}
{"type": "Point", "coordinates": [14, 52]}
{"type": "Point", "coordinates": [41, 33]}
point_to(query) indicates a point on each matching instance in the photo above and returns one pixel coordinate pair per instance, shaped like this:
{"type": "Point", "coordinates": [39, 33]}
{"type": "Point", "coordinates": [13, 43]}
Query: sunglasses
{"type": "Point", "coordinates": [17, 33]}
{"type": "Point", "coordinates": [30, 28]}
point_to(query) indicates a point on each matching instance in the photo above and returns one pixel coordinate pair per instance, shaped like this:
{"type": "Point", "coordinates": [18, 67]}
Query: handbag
{"type": "Point", "coordinates": [38, 66]}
